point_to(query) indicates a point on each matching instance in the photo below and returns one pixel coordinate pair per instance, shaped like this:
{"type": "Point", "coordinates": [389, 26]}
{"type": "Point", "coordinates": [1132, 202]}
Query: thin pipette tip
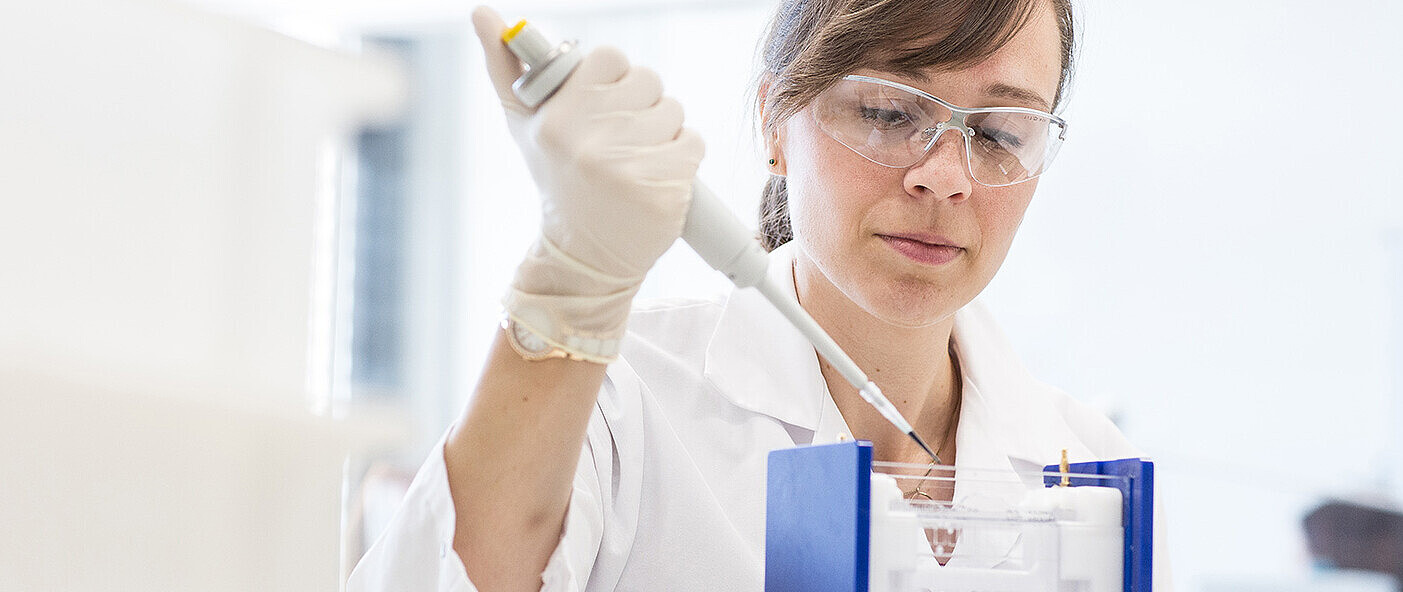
{"type": "Point", "coordinates": [922, 444]}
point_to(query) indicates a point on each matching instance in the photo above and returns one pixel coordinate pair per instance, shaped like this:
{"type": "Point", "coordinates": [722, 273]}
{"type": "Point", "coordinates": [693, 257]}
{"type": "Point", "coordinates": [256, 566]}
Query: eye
{"type": "Point", "coordinates": [885, 118]}
{"type": "Point", "coordinates": [997, 139]}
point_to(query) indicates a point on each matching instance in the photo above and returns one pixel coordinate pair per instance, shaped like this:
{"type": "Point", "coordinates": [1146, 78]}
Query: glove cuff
{"type": "Point", "coordinates": [569, 305]}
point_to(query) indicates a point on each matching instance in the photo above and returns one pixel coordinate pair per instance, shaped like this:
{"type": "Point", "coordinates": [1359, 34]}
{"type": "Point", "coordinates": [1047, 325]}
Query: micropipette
{"type": "Point", "coordinates": [711, 229]}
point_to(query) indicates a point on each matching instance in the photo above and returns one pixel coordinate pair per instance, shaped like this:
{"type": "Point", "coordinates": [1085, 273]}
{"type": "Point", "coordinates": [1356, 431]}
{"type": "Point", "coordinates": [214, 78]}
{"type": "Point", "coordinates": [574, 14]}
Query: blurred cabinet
{"type": "Point", "coordinates": [167, 267]}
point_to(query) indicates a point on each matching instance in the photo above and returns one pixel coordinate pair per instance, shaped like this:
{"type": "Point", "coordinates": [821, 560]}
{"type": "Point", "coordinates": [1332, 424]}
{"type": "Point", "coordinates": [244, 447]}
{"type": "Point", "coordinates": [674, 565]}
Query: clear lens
{"type": "Point", "coordinates": [885, 124]}
{"type": "Point", "coordinates": [1008, 147]}
{"type": "Point", "coordinates": [895, 127]}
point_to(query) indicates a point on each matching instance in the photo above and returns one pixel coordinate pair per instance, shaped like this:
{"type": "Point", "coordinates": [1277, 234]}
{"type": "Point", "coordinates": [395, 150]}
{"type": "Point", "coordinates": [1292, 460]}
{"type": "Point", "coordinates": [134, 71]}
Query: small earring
{"type": "Point", "coordinates": [772, 162]}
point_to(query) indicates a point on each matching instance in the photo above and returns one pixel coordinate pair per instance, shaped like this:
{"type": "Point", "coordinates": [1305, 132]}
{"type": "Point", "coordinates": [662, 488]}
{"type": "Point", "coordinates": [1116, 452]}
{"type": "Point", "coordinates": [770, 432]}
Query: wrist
{"type": "Point", "coordinates": [559, 308]}
{"type": "Point", "coordinates": [548, 270]}
{"type": "Point", "coordinates": [535, 343]}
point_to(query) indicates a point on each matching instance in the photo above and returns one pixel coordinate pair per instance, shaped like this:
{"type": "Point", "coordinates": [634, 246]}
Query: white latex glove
{"type": "Point", "coordinates": [614, 167]}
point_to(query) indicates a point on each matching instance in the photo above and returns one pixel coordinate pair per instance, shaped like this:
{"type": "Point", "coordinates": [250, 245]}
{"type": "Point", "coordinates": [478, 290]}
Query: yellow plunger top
{"type": "Point", "coordinates": [509, 34]}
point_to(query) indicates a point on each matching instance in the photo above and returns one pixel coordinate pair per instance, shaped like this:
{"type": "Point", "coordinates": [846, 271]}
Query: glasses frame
{"type": "Point", "coordinates": [957, 121]}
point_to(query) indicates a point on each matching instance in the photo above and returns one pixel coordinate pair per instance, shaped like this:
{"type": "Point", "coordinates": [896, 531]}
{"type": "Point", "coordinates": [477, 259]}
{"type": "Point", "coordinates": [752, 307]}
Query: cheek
{"type": "Point", "coordinates": [1000, 218]}
{"type": "Point", "coordinates": [828, 185]}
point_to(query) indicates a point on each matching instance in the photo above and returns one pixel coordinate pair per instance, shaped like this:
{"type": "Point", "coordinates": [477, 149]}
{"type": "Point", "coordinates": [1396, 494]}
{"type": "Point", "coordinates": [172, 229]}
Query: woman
{"type": "Point", "coordinates": [594, 460]}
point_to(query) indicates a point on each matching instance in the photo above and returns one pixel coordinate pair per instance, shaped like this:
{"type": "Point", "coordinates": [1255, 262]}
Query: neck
{"type": "Point", "coordinates": [913, 367]}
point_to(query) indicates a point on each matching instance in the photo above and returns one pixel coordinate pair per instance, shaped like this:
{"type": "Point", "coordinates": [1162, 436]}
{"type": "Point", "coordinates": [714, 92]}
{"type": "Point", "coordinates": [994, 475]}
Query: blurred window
{"type": "Point", "coordinates": [377, 315]}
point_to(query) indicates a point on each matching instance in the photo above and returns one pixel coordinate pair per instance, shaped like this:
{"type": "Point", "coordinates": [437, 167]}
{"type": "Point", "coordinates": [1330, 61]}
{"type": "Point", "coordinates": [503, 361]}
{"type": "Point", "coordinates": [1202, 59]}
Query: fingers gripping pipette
{"type": "Point", "coordinates": [710, 229]}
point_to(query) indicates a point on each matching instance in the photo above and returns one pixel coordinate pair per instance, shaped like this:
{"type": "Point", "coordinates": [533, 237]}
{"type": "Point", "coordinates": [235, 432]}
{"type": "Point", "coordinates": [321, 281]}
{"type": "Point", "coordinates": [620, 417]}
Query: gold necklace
{"type": "Point", "coordinates": [949, 427]}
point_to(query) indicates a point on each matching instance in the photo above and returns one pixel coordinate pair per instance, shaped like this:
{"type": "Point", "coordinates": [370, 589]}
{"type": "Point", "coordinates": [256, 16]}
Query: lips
{"type": "Point", "coordinates": [921, 237]}
{"type": "Point", "coordinates": [928, 249]}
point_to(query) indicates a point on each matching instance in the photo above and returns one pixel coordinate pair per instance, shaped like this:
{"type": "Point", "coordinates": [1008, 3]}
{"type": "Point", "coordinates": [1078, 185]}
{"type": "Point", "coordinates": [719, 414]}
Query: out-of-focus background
{"type": "Point", "coordinates": [1216, 261]}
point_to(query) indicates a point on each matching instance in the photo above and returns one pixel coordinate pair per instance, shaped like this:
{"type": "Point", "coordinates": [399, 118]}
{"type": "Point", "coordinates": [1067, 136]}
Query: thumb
{"type": "Point", "coordinates": [503, 67]}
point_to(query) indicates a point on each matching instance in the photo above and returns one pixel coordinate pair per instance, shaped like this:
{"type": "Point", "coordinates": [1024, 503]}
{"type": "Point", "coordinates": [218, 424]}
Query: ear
{"type": "Point", "coordinates": [774, 140]}
{"type": "Point", "coordinates": [774, 152]}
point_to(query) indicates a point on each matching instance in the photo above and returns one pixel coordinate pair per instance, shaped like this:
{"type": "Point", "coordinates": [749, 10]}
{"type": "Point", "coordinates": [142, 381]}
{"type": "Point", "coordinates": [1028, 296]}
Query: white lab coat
{"type": "Point", "coordinates": [669, 493]}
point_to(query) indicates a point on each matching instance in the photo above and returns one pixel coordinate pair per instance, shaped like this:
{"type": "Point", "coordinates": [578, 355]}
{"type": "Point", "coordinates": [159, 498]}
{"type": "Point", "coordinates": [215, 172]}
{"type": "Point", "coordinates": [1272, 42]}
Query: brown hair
{"type": "Point", "coordinates": [811, 44]}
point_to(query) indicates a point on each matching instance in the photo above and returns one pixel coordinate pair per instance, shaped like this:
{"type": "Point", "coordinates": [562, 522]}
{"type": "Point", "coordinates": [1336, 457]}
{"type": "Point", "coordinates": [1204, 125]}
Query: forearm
{"type": "Point", "coordinates": [614, 168]}
{"type": "Point", "coordinates": [511, 462]}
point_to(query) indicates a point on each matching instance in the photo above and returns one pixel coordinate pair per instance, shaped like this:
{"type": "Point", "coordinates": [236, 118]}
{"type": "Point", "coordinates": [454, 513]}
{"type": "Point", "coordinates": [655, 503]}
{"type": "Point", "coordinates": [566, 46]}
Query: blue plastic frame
{"type": "Point", "coordinates": [818, 516]}
{"type": "Point", "coordinates": [1137, 513]}
{"type": "Point", "coordinates": [815, 541]}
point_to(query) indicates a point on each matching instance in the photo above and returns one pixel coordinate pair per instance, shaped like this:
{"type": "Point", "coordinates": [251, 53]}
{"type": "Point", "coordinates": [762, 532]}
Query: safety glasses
{"type": "Point", "coordinates": [895, 125]}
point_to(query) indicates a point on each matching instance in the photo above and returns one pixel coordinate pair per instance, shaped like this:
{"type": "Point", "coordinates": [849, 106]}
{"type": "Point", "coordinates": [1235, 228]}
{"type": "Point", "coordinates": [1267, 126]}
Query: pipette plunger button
{"type": "Point", "coordinates": [547, 65]}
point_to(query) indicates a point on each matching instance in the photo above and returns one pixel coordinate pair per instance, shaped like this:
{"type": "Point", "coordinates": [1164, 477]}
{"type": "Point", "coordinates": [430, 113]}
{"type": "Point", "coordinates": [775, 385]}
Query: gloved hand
{"type": "Point", "coordinates": [614, 167]}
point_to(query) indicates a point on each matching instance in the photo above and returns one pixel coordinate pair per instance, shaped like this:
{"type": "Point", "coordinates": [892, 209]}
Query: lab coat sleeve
{"type": "Point", "coordinates": [416, 550]}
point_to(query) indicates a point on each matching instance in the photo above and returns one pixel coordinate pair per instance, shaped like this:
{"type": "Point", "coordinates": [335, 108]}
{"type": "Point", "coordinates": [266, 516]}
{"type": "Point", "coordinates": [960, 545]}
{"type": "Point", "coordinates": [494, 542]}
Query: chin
{"type": "Point", "coordinates": [909, 308]}
{"type": "Point", "coordinates": [888, 291]}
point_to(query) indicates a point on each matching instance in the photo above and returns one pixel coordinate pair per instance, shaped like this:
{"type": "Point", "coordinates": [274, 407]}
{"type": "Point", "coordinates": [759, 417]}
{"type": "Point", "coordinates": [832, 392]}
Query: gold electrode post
{"type": "Point", "coordinates": [1066, 480]}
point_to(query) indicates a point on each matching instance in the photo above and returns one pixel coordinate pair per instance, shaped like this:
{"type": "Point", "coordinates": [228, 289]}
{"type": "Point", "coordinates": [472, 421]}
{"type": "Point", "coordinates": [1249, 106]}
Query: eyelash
{"type": "Point", "coordinates": [881, 115]}
{"type": "Point", "coordinates": [1006, 138]}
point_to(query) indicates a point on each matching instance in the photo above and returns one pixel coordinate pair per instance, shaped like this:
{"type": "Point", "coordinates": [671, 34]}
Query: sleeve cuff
{"type": "Point", "coordinates": [416, 551]}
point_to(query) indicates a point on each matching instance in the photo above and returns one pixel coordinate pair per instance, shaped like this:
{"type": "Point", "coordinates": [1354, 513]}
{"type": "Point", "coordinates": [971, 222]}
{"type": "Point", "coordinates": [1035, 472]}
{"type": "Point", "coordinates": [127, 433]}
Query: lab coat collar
{"type": "Point", "coordinates": [759, 361]}
{"type": "Point", "coordinates": [1008, 419]}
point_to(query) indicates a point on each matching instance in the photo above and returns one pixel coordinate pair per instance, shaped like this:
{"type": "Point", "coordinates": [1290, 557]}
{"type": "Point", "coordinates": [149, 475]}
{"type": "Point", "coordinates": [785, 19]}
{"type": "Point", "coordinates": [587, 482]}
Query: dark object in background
{"type": "Point", "coordinates": [1355, 536]}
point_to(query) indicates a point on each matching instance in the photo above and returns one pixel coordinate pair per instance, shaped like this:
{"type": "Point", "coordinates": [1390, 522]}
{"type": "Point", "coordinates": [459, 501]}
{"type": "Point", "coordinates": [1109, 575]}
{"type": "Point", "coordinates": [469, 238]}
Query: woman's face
{"type": "Point", "coordinates": [868, 229]}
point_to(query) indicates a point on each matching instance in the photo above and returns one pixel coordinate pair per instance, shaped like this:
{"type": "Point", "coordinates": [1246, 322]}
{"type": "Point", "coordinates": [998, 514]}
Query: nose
{"type": "Point", "coordinates": [943, 172]}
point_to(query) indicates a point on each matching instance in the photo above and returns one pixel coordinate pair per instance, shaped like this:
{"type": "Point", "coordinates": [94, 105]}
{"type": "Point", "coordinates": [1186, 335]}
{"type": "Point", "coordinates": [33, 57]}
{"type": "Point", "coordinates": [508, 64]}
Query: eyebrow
{"type": "Point", "coordinates": [997, 89]}
{"type": "Point", "coordinates": [1001, 90]}
{"type": "Point", "coordinates": [1017, 93]}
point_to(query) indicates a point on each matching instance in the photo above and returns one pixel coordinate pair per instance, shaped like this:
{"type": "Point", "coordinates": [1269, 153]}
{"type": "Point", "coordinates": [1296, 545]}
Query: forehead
{"type": "Point", "coordinates": [1029, 64]}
